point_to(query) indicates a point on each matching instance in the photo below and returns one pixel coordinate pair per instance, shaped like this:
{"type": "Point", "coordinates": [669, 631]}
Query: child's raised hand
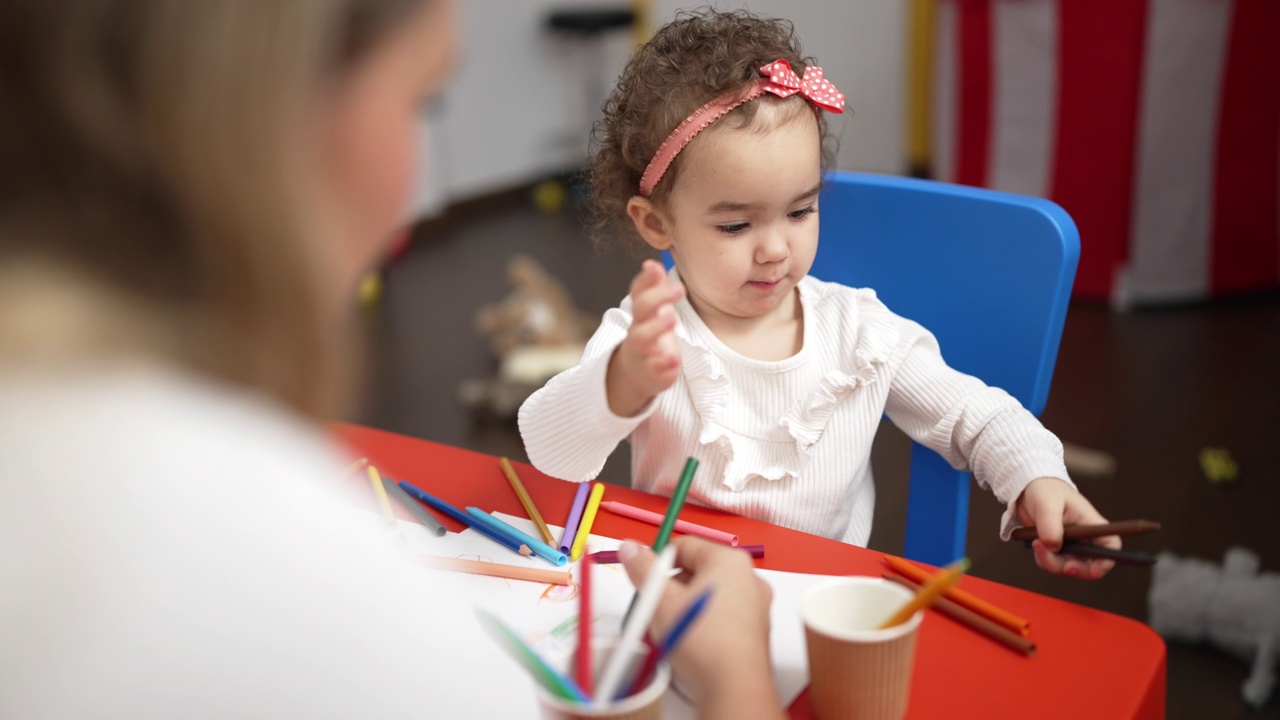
{"type": "Point", "coordinates": [1049, 503]}
{"type": "Point", "coordinates": [648, 360]}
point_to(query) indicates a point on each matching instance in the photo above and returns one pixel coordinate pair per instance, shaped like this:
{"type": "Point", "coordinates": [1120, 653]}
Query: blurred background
{"type": "Point", "coordinates": [1154, 123]}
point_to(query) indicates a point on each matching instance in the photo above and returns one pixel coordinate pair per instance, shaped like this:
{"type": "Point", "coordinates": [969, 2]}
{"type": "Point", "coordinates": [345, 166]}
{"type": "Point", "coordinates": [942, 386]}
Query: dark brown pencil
{"type": "Point", "coordinates": [1089, 550]}
{"type": "Point", "coordinates": [964, 616]}
{"type": "Point", "coordinates": [1085, 532]}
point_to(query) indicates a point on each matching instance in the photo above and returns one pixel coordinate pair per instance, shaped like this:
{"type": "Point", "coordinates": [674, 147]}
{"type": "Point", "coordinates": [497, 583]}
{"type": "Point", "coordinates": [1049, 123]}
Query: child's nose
{"type": "Point", "coordinates": [773, 247]}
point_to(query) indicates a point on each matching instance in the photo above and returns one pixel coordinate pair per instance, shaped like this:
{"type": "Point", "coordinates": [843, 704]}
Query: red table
{"type": "Point", "coordinates": [1088, 664]}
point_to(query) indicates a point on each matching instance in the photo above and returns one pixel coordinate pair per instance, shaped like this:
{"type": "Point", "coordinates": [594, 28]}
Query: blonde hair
{"type": "Point", "coordinates": [149, 165]}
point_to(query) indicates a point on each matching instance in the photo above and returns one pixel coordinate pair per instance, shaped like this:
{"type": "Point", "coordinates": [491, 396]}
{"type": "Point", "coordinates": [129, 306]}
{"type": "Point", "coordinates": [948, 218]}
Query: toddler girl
{"type": "Point", "coordinates": [713, 147]}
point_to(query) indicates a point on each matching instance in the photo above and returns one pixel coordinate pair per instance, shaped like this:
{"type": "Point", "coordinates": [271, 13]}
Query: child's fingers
{"type": "Point", "coordinates": [650, 291]}
{"type": "Point", "coordinates": [1048, 521]}
{"type": "Point", "coordinates": [644, 338]}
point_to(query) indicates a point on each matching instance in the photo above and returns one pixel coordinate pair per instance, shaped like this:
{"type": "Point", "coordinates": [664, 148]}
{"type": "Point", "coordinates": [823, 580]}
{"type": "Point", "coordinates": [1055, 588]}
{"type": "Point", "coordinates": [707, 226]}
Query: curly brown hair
{"type": "Point", "coordinates": [695, 58]}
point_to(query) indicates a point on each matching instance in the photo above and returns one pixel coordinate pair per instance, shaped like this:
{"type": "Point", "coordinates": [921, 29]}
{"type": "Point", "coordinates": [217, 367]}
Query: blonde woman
{"type": "Point", "coordinates": [189, 191]}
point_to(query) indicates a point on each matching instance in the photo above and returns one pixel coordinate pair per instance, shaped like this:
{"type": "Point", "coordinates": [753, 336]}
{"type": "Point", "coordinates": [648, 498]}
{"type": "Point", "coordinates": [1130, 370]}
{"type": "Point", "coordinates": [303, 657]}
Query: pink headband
{"type": "Point", "coordinates": [779, 79]}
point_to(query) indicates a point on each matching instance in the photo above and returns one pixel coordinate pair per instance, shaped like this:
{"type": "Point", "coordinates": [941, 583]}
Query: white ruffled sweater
{"type": "Point", "coordinates": [789, 442]}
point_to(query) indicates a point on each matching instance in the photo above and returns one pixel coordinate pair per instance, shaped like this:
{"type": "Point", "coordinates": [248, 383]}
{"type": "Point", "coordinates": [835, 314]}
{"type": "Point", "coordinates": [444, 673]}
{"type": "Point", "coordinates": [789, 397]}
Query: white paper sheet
{"type": "Point", "coordinates": [546, 615]}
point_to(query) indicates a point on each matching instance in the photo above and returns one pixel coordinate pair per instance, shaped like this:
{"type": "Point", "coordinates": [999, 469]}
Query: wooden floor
{"type": "Point", "coordinates": [1151, 387]}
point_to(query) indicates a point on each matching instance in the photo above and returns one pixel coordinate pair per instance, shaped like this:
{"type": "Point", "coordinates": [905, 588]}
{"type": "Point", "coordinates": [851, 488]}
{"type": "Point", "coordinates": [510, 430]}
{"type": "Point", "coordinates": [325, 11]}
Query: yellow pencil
{"type": "Point", "coordinates": [929, 592]}
{"type": "Point", "coordinates": [526, 501]}
{"type": "Point", "coordinates": [588, 517]}
{"type": "Point", "coordinates": [513, 572]}
{"type": "Point", "coordinates": [381, 492]}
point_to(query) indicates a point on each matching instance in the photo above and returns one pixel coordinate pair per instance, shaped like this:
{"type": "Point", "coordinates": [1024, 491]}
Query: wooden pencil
{"type": "Point", "coordinates": [530, 509]}
{"type": "Point", "coordinates": [511, 572]}
{"type": "Point", "coordinates": [1086, 532]}
{"type": "Point", "coordinates": [375, 481]}
{"type": "Point", "coordinates": [928, 591]}
{"type": "Point", "coordinates": [965, 616]}
{"type": "Point", "coordinates": [976, 604]}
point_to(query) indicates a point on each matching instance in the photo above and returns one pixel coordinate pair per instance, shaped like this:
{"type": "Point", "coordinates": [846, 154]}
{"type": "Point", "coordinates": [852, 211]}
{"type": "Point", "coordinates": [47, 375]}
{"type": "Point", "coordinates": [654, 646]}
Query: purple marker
{"type": "Point", "coordinates": [575, 517]}
{"type": "Point", "coordinates": [608, 557]}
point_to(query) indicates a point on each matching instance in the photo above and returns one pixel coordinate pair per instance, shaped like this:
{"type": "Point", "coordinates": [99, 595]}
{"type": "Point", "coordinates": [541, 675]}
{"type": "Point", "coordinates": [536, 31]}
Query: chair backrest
{"type": "Point", "coordinates": [989, 273]}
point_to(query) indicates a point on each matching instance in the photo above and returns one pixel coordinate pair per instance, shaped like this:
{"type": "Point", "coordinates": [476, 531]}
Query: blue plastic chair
{"type": "Point", "coordinates": [989, 273]}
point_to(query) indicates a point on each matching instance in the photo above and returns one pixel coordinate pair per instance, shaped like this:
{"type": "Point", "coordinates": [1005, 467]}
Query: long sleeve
{"type": "Point", "coordinates": [973, 425]}
{"type": "Point", "coordinates": [567, 426]}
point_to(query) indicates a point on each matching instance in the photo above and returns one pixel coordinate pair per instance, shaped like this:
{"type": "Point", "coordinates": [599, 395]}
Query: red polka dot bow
{"type": "Point", "coordinates": [784, 82]}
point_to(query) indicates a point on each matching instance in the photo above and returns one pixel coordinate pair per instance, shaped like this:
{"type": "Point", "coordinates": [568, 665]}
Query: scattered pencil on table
{"type": "Point", "coordinates": [965, 616]}
{"type": "Point", "coordinates": [523, 495]}
{"type": "Point", "coordinates": [684, 526]}
{"type": "Point", "coordinates": [546, 675]}
{"type": "Point", "coordinates": [380, 492]}
{"type": "Point", "coordinates": [453, 512]}
{"type": "Point", "coordinates": [588, 519]}
{"type": "Point", "coordinates": [575, 518]}
{"type": "Point", "coordinates": [510, 572]}
{"type": "Point", "coordinates": [429, 521]}
{"type": "Point", "coordinates": [582, 659]}
{"type": "Point", "coordinates": [928, 592]}
{"type": "Point", "coordinates": [976, 604]}
{"type": "Point", "coordinates": [539, 548]}
{"type": "Point", "coordinates": [610, 557]}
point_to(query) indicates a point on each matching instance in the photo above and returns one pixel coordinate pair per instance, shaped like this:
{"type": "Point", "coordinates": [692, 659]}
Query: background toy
{"type": "Point", "coordinates": [535, 332]}
{"type": "Point", "coordinates": [1234, 607]}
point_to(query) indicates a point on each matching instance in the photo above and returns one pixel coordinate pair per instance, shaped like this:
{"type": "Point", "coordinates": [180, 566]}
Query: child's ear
{"type": "Point", "coordinates": [650, 222]}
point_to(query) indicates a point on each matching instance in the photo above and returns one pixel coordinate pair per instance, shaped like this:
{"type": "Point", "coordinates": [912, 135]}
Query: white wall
{"type": "Point", "coordinates": [861, 46]}
{"type": "Point", "coordinates": [517, 109]}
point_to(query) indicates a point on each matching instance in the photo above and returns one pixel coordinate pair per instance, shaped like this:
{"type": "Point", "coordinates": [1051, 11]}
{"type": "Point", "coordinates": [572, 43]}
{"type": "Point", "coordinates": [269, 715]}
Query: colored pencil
{"type": "Point", "coordinates": [355, 466]}
{"type": "Point", "coordinates": [575, 517]}
{"type": "Point", "coordinates": [546, 675]}
{"type": "Point", "coordinates": [1088, 532]}
{"type": "Point", "coordinates": [428, 520]}
{"type": "Point", "coordinates": [668, 643]}
{"type": "Point", "coordinates": [453, 512]}
{"type": "Point", "coordinates": [974, 603]}
{"type": "Point", "coordinates": [510, 572]}
{"type": "Point", "coordinates": [539, 548]}
{"type": "Point", "coordinates": [588, 519]}
{"type": "Point", "coordinates": [1089, 550]}
{"type": "Point", "coordinates": [965, 616]}
{"type": "Point", "coordinates": [610, 557]}
{"type": "Point", "coordinates": [375, 481]}
{"type": "Point", "coordinates": [928, 592]}
{"type": "Point", "coordinates": [634, 627]}
{"type": "Point", "coordinates": [582, 659]}
{"type": "Point", "coordinates": [677, 502]}
{"type": "Point", "coordinates": [530, 509]}
{"type": "Point", "coordinates": [684, 526]}
{"type": "Point", "coordinates": [669, 521]}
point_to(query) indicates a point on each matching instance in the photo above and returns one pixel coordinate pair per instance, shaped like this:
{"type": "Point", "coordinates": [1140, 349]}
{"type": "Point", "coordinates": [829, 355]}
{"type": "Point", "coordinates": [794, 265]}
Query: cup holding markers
{"type": "Point", "coordinates": [644, 704]}
{"type": "Point", "coordinates": [858, 670]}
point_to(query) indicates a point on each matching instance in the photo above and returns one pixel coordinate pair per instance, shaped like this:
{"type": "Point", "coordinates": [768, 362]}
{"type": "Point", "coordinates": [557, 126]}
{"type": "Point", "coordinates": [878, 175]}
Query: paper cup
{"type": "Point", "coordinates": [856, 671]}
{"type": "Point", "coordinates": [644, 705]}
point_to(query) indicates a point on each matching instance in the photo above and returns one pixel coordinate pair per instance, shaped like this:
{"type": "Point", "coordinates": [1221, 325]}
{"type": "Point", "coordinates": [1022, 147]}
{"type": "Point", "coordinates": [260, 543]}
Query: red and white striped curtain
{"type": "Point", "coordinates": [1155, 123]}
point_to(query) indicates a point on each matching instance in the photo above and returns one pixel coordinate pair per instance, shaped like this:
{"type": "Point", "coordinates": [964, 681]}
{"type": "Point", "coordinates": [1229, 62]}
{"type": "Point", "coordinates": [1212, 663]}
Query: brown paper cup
{"type": "Point", "coordinates": [644, 705]}
{"type": "Point", "coordinates": [856, 671]}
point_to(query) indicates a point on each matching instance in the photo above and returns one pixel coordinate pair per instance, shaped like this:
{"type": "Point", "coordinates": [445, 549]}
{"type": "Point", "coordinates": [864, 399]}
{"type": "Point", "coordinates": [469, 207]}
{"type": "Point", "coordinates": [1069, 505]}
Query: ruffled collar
{"type": "Point", "coordinates": [703, 359]}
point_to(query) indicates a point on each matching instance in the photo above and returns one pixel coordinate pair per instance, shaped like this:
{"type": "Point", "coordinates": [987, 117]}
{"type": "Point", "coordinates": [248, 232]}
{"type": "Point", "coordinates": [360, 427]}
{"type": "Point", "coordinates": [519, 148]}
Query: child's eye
{"type": "Point", "coordinates": [734, 229]}
{"type": "Point", "coordinates": [802, 212]}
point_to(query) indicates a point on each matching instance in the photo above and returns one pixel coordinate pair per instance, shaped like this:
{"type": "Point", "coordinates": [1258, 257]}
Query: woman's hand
{"type": "Point", "coordinates": [723, 660]}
